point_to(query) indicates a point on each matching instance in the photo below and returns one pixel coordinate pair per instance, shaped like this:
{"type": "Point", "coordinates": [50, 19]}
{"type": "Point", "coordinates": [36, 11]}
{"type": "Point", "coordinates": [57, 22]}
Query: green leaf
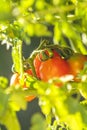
{"type": "Point", "coordinates": [83, 89]}
{"type": "Point", "coordinates": [66, 108]}
{"type": "Point", "coordinates": [38, 122]}
{"type": "Point", "coordinates": [5, 11]}
{"type": "Point", "coordinates": [10, 120]}
{"type": "Point", "coordinates": [84, 103]}
{"type": "Point", "coordinates": [3, 102]}
{"type": "Point", "coordinates": [57, 32]}
{"type": "Point", "coordinates": [17, 100]}
{"type": "Point", "coordinates": [73, 34]}
{"type": "Point", "coordinates": [77, 113]}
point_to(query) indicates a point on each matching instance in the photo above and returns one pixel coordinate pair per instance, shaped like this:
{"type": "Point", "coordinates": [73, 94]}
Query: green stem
{"type": "Point", "coordinates": [57, 9]}
{"type": "Point", "coordinates": [65, 52]}
{"type": "Point", "coordinates": [42, 44]}
{"type": "Point", "coordinates": [20, 57]}
{"type": "Point", "coordinates": [49, 120]}
{"type": "Point", "coordinates": [17, 56]}
{"type": "Point", "coordinates": [30, 60]}
{"type": "Point", "coordinates": [62, 9]}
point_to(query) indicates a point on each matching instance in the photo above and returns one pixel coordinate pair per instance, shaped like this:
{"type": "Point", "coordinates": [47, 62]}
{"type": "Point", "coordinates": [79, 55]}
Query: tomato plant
{"type": "Point", "coordinates": [64, 23]}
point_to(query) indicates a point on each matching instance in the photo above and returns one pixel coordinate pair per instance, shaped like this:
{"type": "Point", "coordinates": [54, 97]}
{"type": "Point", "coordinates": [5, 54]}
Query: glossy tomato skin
{"type": "Point", "coordinates": [38, 61]}
{"type": "Point", "coordinates": [54, 67]}
{"type": "Point", "coordinates": [76, 63]}
{"type": "Point", "coordinates": [15, 81]}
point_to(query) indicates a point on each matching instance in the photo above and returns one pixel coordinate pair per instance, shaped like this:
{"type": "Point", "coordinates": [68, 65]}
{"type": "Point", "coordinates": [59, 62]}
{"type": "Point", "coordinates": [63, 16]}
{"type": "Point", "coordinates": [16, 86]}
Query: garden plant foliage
{"type": "Point", "coordinates": [65, 22]}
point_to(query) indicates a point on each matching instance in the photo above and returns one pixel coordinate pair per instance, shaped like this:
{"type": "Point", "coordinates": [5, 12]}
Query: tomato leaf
{"type": "Point", "coordinates": [17, 100]}
{"type": "Point", "coordinates": [10, 120]}
{"type": "Point", "coordinates": [38, 122]}
{"type": "Point", "coordinates": [3, 102]}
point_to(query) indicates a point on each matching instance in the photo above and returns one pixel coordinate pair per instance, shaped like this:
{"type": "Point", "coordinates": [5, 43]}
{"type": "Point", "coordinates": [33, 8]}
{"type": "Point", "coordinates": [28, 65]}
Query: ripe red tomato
{"type": "Point", "coordinates": [38, 61]}
{"type": "Point", "coordinates": [53, 67]}
{"type": "Point", "coordinates": [15, 81]}
{"type": "Point", "coordinates": [76, 63]}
